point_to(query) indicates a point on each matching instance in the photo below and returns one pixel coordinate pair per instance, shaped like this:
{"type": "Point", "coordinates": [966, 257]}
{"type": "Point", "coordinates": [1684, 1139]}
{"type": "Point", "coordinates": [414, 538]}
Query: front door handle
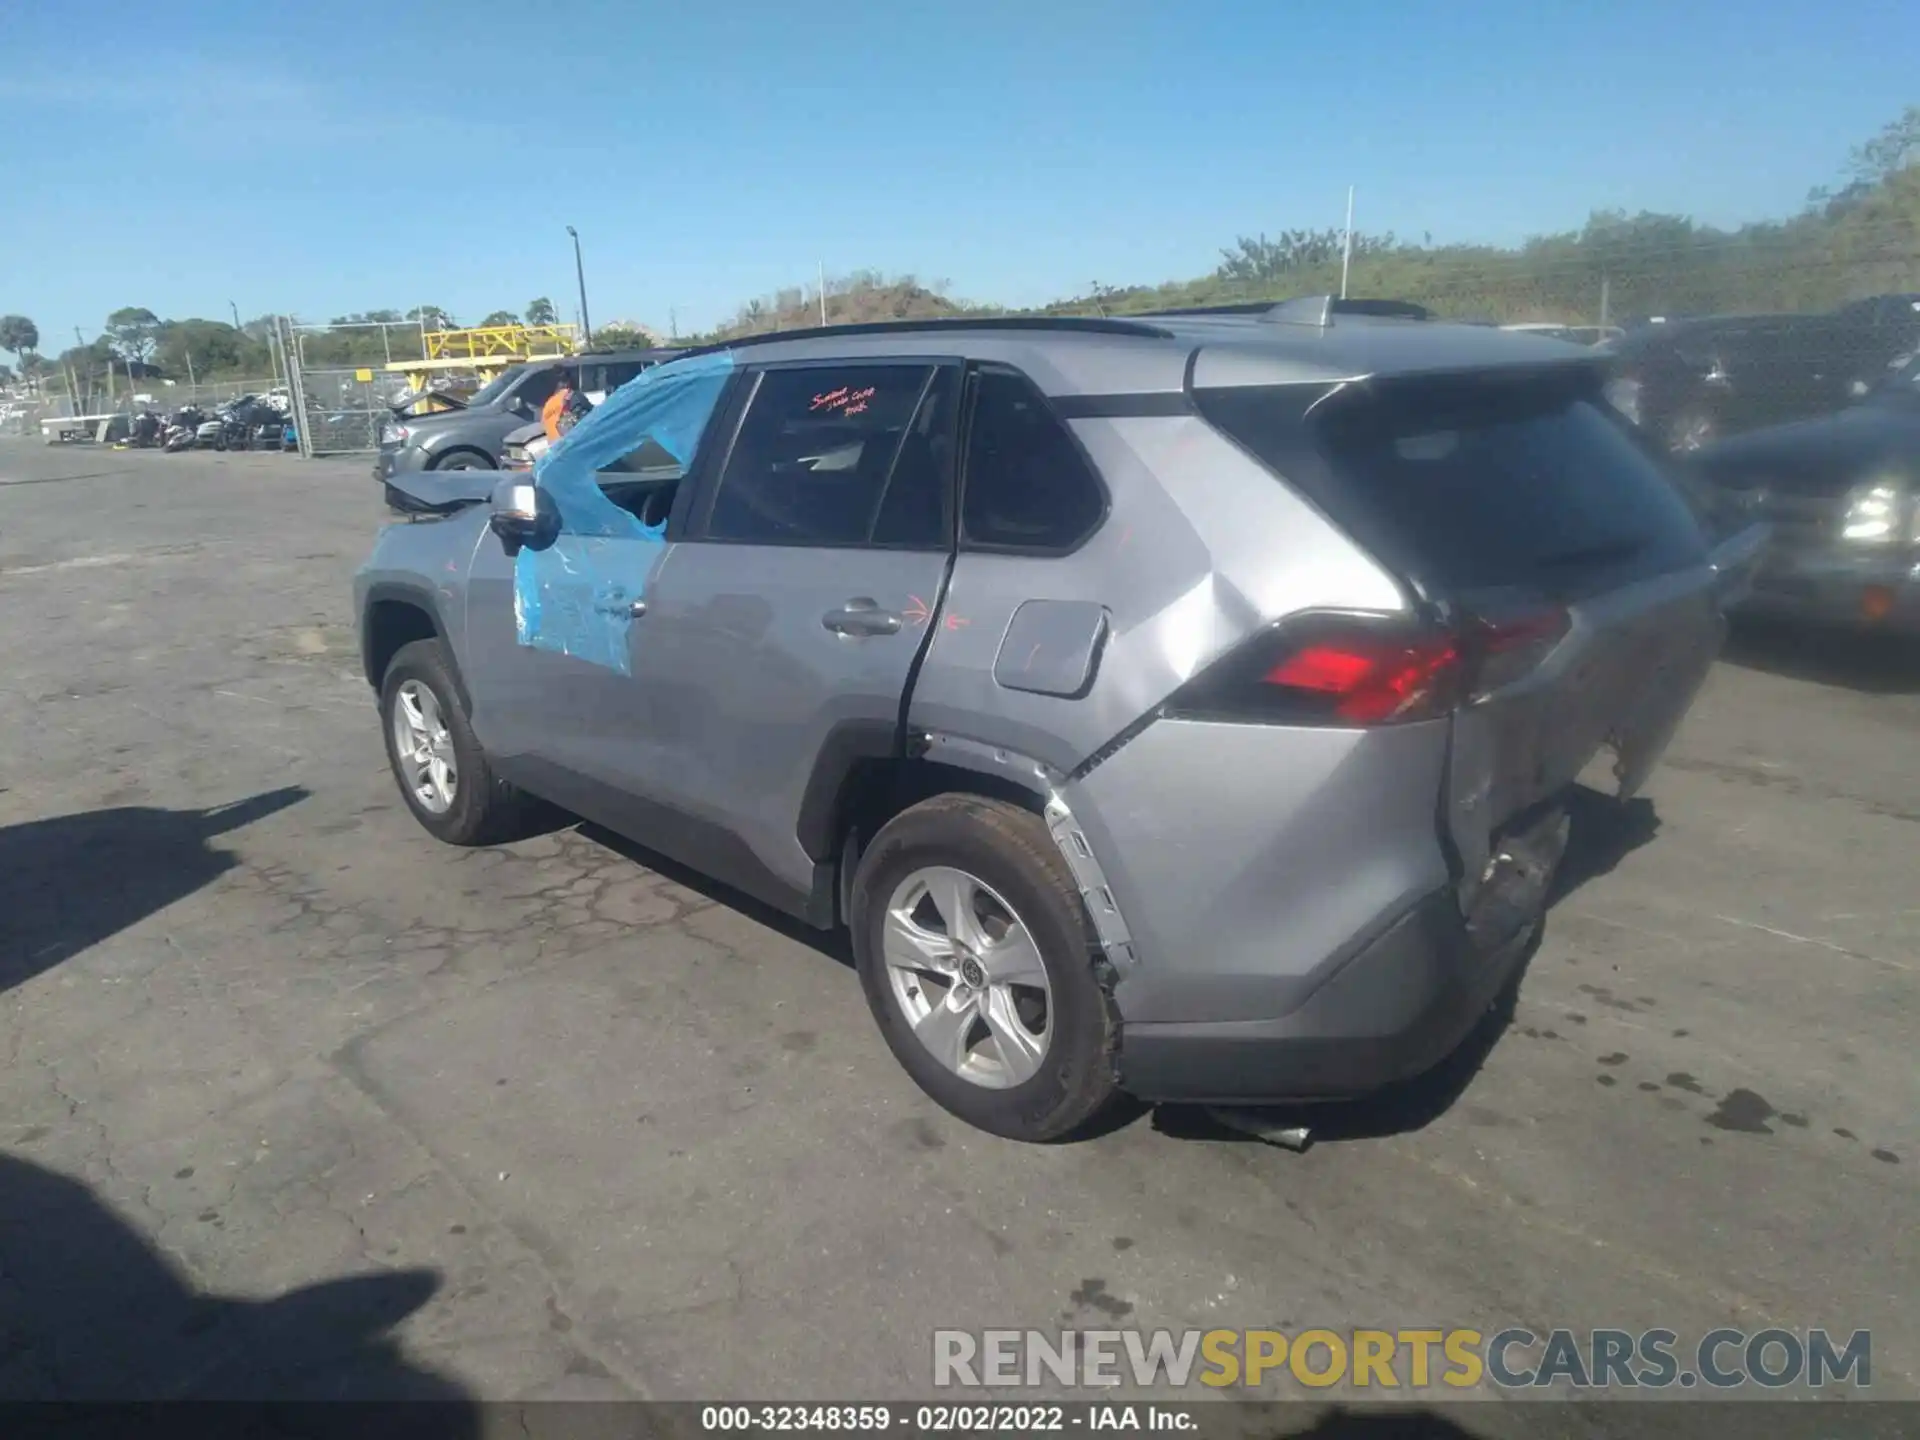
{"type": "Point", "coordinates": [862, 616]}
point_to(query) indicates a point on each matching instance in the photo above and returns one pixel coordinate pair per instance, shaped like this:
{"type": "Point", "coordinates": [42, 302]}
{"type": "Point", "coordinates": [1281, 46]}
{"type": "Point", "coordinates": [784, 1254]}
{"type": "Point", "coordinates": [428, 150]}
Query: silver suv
{"type": "Point", "coordinates": [1184, 705]}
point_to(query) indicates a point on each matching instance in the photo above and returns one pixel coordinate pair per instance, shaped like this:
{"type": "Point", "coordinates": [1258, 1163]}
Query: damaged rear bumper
{"type": "Point", "coordinates": [1398, 1007]}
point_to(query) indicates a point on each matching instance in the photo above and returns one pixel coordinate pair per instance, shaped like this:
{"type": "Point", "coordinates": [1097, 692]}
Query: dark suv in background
{"type": "Point", "coordinates": [471, 437]}
{"type": "Point", "coordinates": [1840, 496]}
{"type": "Point", "coordinates": [1693, 381]}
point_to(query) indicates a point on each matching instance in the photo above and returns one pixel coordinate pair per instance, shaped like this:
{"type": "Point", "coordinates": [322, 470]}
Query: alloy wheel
{"type": "Point", "coordinates": [425, 748]}
{"type": "Point", "coordinates": [968, 977]}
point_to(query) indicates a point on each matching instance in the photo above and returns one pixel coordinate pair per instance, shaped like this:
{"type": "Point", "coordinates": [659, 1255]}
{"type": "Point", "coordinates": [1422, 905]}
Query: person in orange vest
{"type": "Point", "coordinates": [552, 412]}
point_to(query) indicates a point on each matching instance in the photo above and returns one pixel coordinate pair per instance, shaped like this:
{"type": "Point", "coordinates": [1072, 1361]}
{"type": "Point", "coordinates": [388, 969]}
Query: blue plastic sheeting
{"type": "Point", "coordinates": [575, 597]}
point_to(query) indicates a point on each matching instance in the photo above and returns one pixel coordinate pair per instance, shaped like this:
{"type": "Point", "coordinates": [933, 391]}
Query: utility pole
{"type": "Point", "coordinates": [1346, 248]}
{"type": "Point", "coordinates": [823, 292]}
{"type": "Point", "coordinates": [580, 274]}
{"type": "Point", "coordinates": [236, 314]}
{"type": "Point", "coordinates": [1606, 295]}
{"type": "Point", "coordinates": [81, 341]}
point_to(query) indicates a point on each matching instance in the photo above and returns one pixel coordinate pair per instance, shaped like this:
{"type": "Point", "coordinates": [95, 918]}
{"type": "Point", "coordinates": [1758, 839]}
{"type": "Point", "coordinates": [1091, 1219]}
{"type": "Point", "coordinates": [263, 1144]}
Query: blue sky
{"type": "Point", "coordinates": [319, 158]}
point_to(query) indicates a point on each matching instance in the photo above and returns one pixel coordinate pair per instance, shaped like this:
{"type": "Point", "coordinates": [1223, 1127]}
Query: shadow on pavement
{"type": "Point", "coordinates": [1601, 833]}
{"type": "Point", "coordinates": [1874, 664]}
{"type": "Point", "coordinates": [1407, 1105]}
{"type": "Point", "coordinates": [89, 1312]}
{"type": "Point", "coordinates": [831, 943]}
{"type": "Point", "coordinates": [69, 882]}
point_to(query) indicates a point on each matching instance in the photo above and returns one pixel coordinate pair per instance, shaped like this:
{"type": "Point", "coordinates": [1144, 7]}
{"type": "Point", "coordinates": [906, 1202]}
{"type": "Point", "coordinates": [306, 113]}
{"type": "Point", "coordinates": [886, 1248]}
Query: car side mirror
{"type": "Point", "coordinates": [521, 514]}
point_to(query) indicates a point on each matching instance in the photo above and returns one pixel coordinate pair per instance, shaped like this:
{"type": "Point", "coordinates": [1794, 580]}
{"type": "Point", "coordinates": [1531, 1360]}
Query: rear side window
{"type": "Point", "coordinates": [1027, 486]}
{"type": "Point", "coordinates": [815, 460]}
{"type": "Point", "coordinates": [1472, 484]}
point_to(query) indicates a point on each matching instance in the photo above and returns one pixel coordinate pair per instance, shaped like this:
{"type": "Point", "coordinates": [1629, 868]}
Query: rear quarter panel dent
{"type": "Point", "coordinates": [1248, 859]}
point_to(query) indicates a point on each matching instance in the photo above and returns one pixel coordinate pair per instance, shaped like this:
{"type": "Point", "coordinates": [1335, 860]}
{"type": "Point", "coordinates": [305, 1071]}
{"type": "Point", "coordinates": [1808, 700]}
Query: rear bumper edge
{"type": "Point", "coordinates": [1396, 1009]}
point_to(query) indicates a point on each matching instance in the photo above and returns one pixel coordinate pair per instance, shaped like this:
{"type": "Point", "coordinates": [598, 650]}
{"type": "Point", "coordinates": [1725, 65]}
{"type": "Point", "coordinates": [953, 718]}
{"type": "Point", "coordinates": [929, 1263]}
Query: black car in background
{"type": "Point", "coordinates": [1693, 381]}
{"type": "Point", "coordinates": [1841, 495]}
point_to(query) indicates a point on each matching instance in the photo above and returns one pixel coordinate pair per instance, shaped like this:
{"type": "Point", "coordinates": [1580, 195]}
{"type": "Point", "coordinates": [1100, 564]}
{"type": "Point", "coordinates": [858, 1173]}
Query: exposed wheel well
{"type": "Point", "coordinates": [389, 625]}
{"type": "Point", "coordinates": [878, 788]}
{"type": "Point", "coordinates": [459, 452]}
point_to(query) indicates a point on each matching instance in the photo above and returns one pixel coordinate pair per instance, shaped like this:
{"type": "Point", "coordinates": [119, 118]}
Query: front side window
{"type": "Point", "coordinates": [816, 458]}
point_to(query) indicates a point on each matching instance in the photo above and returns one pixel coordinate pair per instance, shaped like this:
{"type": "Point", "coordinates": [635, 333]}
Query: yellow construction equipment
{"type": "Point", "coordinates": [484, 350]}
{"type": "Point", "coordinates": [516, 342]}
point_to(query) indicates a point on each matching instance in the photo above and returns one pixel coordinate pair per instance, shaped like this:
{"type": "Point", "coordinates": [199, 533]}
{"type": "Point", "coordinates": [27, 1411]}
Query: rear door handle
{"type": "Point", "coordinates": [861, 616]}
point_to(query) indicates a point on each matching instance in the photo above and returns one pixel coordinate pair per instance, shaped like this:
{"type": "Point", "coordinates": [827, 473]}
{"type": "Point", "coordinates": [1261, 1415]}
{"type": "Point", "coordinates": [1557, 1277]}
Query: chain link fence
{"type": "Point", "coordinates": [343, 387]}
{"type": "Point", "coordinates": [26, 414]}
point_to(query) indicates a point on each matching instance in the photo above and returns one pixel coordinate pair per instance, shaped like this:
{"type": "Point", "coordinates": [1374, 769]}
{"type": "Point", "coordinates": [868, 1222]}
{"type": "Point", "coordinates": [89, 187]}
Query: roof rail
{"type": "Point", "coordinates": [1319, 310]}
{"type": "Point", "coordinates": [1314, 310]}
{"type": "Point", "coordinates": [1246, 307]}
{"type": "Point", "coordinates": [1084, 324]}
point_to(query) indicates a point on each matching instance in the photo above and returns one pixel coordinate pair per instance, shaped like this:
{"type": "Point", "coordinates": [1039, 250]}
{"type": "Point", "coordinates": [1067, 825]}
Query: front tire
{"type": "Point", "coordinates": [465, 460]}
{"type": "Point", "coordinates": [981, 967]}
{"type": "Point", "coordinates": [436, 760]}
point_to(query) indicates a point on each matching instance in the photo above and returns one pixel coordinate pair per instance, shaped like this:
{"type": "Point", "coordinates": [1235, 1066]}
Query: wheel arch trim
{"type": "Point", "coordinates": [1109, 924]}
{"type": "Point", "coordinates": [415, 597]}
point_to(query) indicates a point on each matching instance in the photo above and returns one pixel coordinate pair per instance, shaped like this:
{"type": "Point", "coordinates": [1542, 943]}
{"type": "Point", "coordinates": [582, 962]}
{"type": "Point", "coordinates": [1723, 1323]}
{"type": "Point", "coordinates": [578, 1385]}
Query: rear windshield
{"type": "Point", "coordinates": [1469, 484]}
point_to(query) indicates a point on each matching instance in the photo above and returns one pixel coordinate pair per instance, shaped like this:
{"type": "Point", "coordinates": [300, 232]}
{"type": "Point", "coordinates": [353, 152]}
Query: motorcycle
{"type": "Point", "coordinates": [182, 427]}
{"type": "Point", "coordinates": [238, 425]}
{"type": "Point", "coordinates": [143, 431]}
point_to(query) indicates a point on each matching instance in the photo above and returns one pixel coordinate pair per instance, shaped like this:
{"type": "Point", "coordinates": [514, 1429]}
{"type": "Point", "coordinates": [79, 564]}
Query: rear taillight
{"type": "Point", "coordinates": [1329, 669]}
{"type": "Point", "coordinates": [1503, 647]}
{"type": "Point", "coordinates": [1371, 680]}
{"type": "Point", "coordinates": [1366, 670]}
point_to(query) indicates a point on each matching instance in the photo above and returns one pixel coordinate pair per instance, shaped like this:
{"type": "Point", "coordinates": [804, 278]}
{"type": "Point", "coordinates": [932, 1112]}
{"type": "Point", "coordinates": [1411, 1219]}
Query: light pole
{"type": "Point", "coordinates": [580, 274]}
{"type": "Point", "coordinates": [236, 314]}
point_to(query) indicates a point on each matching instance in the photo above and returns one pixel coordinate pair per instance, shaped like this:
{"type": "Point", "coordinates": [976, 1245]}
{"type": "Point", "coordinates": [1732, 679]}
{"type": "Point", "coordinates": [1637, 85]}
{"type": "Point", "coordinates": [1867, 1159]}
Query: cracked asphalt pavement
{"type": "Point", "coordinates": [296, 1101]}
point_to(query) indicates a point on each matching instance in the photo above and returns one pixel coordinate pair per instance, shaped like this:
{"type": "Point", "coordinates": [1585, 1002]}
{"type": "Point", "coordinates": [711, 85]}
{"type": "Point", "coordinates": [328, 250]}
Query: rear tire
{"type": "Point", "coordinates": [1069, 1030]}
{"type": "Point", "coordinates": [477, 807]}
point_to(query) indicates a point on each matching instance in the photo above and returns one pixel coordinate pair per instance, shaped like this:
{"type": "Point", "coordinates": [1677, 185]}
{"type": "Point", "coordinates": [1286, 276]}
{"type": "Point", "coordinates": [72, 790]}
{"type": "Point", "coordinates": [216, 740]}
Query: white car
{"type": "Point", "coordinates": [524, 446]}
